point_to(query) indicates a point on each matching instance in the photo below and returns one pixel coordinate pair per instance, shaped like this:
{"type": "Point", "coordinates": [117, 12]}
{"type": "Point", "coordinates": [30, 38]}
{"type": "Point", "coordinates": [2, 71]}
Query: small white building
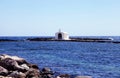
{"type": "Point", "coordinates": [61, 35]}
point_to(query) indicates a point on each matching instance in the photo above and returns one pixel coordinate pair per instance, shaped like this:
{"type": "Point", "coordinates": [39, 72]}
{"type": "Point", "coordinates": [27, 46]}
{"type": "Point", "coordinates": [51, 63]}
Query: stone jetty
{"type": "Point", "coordinates": [16, 67]}
{"type": "Point", "coordinates": [71, 39]}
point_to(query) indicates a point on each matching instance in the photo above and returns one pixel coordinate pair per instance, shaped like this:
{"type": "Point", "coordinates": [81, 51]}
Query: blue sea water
{"type": "Point", "coordinates": [99, 60]}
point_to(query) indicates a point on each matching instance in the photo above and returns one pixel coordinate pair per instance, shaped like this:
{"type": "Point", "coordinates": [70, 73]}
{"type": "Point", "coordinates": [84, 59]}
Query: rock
{"type": "Point", "coordinates": [83, 77]}
{"type": "Point", "coordinates": [33, 73]}
{"type": "Point", "coordinates": [10, 65]}
{"type": "Point", "coordinates": [24, 66]}
{"type": "Point", "coordinates": [17, 74]}
{"type": "Point", "coordinates": [33, 66]}
{"type": "Point", "coordinates": [63, 76]}
{"type": "Point", "coordinates": [47, 73]}
{"type": "Point", "coordinates": [4, 77]}
{"type": "Point", "coordinates": [47, 70]}
{"type": "Point", "coordinates": [47, 76]}
{"type": "Point", "coordinates": [17, 59]}
{"type": "Point", "coordinates": [3, 71]}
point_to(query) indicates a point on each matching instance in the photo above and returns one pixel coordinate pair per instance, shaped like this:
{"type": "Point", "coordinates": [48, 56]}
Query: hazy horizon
{"type": "Point", "coordinates": [46, 17]}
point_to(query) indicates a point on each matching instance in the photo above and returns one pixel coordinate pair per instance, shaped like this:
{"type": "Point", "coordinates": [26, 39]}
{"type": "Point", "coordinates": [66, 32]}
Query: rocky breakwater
{"type": "Point", "coordinates": [16, 67]}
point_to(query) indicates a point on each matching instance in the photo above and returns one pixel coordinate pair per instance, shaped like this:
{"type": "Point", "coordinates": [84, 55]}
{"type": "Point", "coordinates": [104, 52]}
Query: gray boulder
{"type": "Point", "coordinates": [33, 73]}
{"type": "Point", "coordinates": [16, 74]}
{"type": "Point", "coordinates": [63, 76]}
{"type": "Point", "coordinates": [3, 71]}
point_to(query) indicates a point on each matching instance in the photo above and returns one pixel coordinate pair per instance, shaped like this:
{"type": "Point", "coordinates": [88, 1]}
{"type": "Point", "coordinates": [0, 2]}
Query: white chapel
{"type": "Point", "coordinates": [61, 35]}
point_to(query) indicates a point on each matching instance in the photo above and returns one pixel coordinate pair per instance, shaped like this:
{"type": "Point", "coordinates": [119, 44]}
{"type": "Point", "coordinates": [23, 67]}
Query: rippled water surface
{"type": "Point", "coordinates": [99, 60]}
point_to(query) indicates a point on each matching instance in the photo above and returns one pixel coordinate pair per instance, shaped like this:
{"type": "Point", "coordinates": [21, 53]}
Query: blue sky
{"type": "Point", "coordinates": [45, 17]}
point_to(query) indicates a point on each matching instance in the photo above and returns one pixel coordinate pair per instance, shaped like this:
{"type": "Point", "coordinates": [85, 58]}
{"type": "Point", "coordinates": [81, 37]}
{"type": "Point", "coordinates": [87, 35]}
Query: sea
{"type": "Point", "coordinates": [99, 60]}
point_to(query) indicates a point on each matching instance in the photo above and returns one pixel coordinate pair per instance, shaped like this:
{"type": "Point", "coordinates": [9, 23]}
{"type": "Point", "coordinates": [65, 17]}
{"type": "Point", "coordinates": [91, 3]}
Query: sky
{"type": "Point", "coordinates": [46, 17]}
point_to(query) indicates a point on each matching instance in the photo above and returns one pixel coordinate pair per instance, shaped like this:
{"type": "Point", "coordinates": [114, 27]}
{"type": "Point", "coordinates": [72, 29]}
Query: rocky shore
{"type": "Point", "coordinates": [16, 67]}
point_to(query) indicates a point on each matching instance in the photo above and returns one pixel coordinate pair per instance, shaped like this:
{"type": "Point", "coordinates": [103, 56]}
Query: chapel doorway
{"type": "Point", "coordinates": [60, 36]}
